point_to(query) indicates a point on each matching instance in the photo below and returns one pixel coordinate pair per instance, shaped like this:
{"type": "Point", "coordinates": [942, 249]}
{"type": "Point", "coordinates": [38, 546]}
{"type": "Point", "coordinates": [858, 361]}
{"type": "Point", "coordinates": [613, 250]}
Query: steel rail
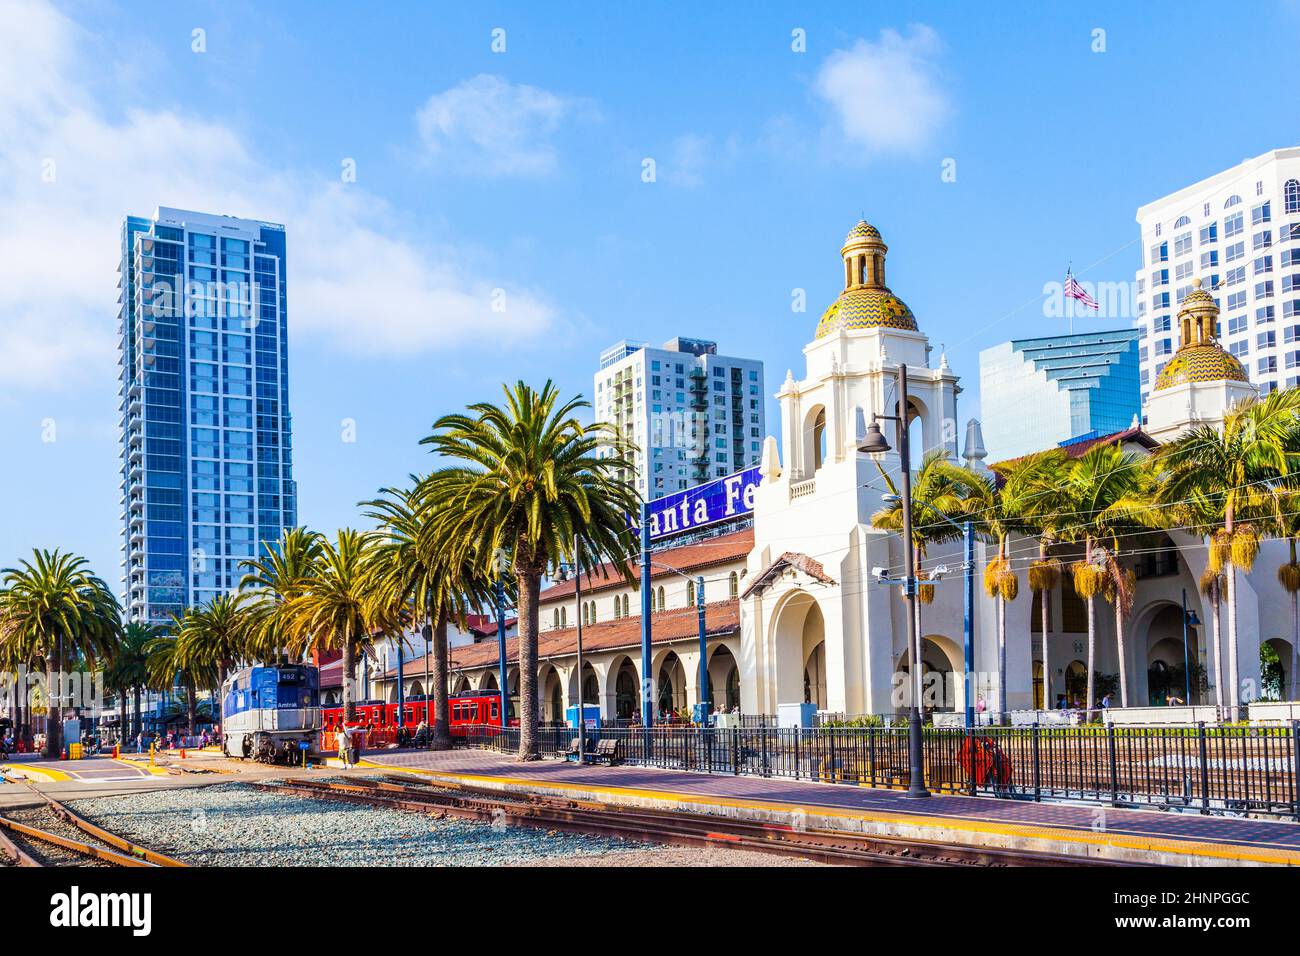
{"type": "Point", "coordinates": [135, 850]}
{"type": "Point", "coordinates": [682, 828]}
{"type": "Point", "coordinates": [84, 849]}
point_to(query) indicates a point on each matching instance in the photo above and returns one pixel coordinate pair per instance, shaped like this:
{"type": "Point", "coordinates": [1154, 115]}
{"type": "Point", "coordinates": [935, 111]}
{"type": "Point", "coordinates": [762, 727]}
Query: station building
{"type": "Point", "coordinates": [793, 612]}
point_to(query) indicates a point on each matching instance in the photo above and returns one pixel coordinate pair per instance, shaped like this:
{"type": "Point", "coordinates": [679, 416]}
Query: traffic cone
{"type": "Point", "coordinates": [182, 753]}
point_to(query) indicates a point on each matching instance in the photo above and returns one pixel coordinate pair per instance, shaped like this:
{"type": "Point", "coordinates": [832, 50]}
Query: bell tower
{"type": "Point", "coordinates": [1202, 381]}
{"type": "Point", "coordinates": [819, 492]}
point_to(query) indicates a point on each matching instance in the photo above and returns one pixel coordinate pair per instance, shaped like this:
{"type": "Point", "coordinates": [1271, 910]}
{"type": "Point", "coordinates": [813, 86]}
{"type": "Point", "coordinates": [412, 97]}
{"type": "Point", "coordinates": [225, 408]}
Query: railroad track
{"type": "Point", "coordinates": [53, 835]}
{"type": "Point", "coordinates": [660, 826]}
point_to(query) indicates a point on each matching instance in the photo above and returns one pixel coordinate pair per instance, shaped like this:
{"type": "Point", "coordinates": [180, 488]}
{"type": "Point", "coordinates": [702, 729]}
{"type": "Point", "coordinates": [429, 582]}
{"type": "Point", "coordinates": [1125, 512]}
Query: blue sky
{"type": "Point", "coordinates": [523, 171]}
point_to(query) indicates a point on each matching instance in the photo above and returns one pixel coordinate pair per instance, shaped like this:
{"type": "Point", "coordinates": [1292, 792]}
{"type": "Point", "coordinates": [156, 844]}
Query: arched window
{"type": "Point", "coordinates": [690, 593]}
{"type": "Point", "coordinates": [555, 618]}
{"type": "Point", "coordinates": [564, 617]}
{"type": "Point", "coordinates": [662, 604]}
{"type": "Point", "coordinates": [625, 605]}
{"type": "Point", "coordinates": [1182, 221]}
{"type": "Point", "coordinates": [1291, 195]}
{"type": "Point", "coordinates": [733, 585]}
{"type": "Point", "coordinates": [1232, 201]}
{"type": "Point", "coordinates": [819, 439]}
{"type": "Point", "coordinates": [584, 613]}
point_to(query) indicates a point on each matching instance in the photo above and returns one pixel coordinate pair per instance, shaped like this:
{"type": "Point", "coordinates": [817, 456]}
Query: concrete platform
{"type": "Point", "coordinates": [1086, 831]}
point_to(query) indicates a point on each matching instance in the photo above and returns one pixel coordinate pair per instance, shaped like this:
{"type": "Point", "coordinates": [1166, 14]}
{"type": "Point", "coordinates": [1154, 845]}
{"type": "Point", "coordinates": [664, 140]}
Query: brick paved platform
{"type": "Point", "coordinates": [1150, 836]}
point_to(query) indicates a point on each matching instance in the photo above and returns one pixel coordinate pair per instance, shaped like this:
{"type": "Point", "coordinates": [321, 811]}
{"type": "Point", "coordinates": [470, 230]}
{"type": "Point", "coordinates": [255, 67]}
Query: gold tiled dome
{"type": "Point", "coordinates": [863, 230]}
{"type": "Point", "coordinates": [1200, 357]}
{"type": "Point", "coordinates": [866, 308]}
{"type": "Point", "coordinates": [1200, 363]}
{"type": "Point", "coordinates": [866, 302]}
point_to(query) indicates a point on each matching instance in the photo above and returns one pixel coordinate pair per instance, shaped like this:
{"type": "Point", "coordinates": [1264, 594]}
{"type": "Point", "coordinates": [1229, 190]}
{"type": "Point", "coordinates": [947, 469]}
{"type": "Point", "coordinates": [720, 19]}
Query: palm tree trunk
{"type": "Point", "coordinates": [1092, 647]}
{"type": "Point", "coordinates": [1123, 666]}
{"type": "Point", "coordinates": [1216, 640]}
{"type": "Point", "coordinates": [1043, 598]}
{"type": "Point", "coordinates": [1234, 687]}
{"type": "Point", "coordinates": [192, 705]}
{"type": "Point", "coordinates": [122, 715]}
{"type": "Point", "coordinates": [441, 739]}
{"type": "Point", "coordinates": [347, 666]}
{"type": "Point", "coordinates": [137, 709]}
{"type": "Point", "coordinates": [1002, 658]}
{"type": "Point", "coordinates": [529, 588]}
{"type": "Point", "coordinates": [53, 723]}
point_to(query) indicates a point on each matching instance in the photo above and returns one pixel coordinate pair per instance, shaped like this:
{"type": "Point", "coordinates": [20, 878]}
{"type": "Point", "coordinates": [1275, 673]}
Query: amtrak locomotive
{"type": "Point", "coordinates": [271, 712]}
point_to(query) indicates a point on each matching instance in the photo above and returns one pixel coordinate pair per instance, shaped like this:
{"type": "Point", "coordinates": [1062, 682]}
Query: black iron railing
{"type": "Point", "coordinates": [1212, 769]}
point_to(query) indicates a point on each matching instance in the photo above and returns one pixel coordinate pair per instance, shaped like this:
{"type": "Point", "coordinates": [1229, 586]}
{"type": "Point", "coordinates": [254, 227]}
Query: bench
{"type": "Point", "coordinates": [607, 750]}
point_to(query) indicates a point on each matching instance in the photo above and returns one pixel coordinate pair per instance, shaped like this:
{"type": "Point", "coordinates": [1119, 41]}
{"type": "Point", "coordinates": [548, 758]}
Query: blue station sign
{"type": "Point", "coordinates": [703, 505]}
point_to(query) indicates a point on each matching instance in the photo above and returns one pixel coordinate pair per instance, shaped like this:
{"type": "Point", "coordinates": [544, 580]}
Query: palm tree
{"type": "Point", "coordinates": [415, 568]}
{"type": "Point", "coordinates": [934, 489]}
{"type": "Point", "coordinates": [212, 638]}
{"type": "Point", "coordinates": [997, 514]}
{"type": "Point", "coordinates": [1039, 515]}
{"type": "Point", "coordinates": [1236, 473]}
{"type": "Point", "coordinates": [170, 662]}
{"type": "Point", "coordinates": [126, 670]}
{"type": "Point", "coordinates": [1100, 495]}
{"type": "Point", "coordinates": [335, 608]}
{"type": "Point", "coordinates": [527, 483]}
{"type": "Point", "coordinates": [54, 609]}
{"type": "Point", "coordinates": [272, 580]}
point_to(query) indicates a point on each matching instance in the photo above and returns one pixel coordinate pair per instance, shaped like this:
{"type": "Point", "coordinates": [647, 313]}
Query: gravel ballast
{"type": "Point", "coordinates": [238, 825]}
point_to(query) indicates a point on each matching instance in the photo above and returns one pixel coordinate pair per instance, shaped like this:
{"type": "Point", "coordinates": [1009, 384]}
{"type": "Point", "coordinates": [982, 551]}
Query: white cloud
{"type": "Point", "coordinates": [887, 96]}
{"type": "Point", "coordinates": [351, 287]}
{"type": "Point", "coordinates": [489, 126]}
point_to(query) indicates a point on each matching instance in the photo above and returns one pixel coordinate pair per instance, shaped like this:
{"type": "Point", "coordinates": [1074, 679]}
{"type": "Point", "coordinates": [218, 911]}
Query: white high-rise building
{"type": "Point", "coordinates": [693, 414]}
{"type": "Point", "coordinates": [1239, 233]}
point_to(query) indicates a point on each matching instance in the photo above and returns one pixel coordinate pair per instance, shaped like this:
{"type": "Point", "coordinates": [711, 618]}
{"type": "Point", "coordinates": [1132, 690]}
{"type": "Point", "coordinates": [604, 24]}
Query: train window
{"type": "Point", "coordinates": [495, 710]}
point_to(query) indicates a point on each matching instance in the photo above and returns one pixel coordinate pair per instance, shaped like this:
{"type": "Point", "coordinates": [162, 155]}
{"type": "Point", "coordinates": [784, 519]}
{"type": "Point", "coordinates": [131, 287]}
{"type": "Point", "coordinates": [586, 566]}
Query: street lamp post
{"type": "Point", "coordinates": [501, 650]}
{"type": "Point", "coordinates": [427, 631]}
{"type": "Point", "coordinates": [647, 608]}
{"type": "Point", "coordinates": [874, 442]}
{"type": "Point", "coordinates": [582, 706]}
{"type": "Point", "coordinates": [704, 654]}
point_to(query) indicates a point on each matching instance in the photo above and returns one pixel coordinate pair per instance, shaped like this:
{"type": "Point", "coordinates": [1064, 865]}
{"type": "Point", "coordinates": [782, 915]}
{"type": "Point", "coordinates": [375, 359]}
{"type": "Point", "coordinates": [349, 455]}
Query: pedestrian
{"type": "Point", "coordinates": [1105, 701]}
{"type": "Point", "coordinates": [345, 750]}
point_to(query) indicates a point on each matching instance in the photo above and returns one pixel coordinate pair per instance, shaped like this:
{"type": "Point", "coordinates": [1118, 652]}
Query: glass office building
{"type": "Point", "coordinates": [207, 476]}
{"type": "Point", "coordinates": [1038, 393]}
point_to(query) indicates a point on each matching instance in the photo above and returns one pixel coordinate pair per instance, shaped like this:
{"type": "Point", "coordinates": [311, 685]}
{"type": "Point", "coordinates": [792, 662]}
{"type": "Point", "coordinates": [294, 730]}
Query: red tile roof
{"type": "Point", "coordinates": [1079, 448]}
{"type": "Point", "coordinates": [790, 559]}
{"type": "Point", "coordinates": [701, 554]}
{"type": "Point", "coordinates": [485, 624]}
{"type": "Point", "coordinates": [721, 618]}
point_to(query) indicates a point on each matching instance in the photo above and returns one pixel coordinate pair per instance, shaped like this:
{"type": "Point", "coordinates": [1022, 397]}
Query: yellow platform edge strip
{"type": "Point", "coordinates": [1221, 851]}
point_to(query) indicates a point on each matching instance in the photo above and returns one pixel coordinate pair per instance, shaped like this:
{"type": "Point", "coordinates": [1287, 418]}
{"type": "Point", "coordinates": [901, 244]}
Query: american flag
{"type": "Point", "coordinates": [1075, 291]}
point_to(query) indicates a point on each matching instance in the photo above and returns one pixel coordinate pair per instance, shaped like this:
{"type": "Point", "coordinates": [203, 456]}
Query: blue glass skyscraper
{"type": "Point", "coordinates": [207, 476]}
{"type": "Point", "coordinates": [1037, 393]}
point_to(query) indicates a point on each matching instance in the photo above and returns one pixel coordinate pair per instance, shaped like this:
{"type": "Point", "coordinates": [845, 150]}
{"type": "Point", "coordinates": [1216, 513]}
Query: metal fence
{"type": "Point", "coordinates": [1211, 769]}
